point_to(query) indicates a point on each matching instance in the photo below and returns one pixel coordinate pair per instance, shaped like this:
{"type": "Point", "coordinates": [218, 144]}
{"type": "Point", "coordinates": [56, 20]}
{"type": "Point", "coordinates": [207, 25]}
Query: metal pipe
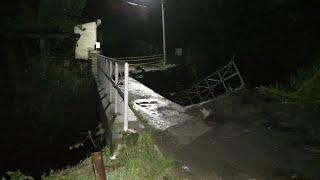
{"type": "Point", "coordinates": [222, 80]}
{"type": "Point", "coordinates": [241, 79]}
{"type": "Point", "coordinates": [126, 94]}
{"type": "Point", "coordinates": [163, 33]}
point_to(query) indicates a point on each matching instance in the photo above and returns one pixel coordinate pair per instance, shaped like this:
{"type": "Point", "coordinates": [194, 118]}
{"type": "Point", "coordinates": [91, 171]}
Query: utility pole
{"type": "Point", "coordinates": [163, 34]}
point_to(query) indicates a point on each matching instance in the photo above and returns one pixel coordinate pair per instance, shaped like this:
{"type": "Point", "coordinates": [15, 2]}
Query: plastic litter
{"type": "Point", "coordinates": [247, 130]}
{"type": "Point", "coordinates": [113, 157]}
{"type": "Point", "coordinates": [185, 168]}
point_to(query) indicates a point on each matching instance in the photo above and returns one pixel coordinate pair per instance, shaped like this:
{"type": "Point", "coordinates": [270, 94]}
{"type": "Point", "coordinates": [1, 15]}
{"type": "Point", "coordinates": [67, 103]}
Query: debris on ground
{"type": "Point", "coordinates": [312, 149]}
{"type": "Point", "coordinates": [185, 168]}
{"type": "Point", "coordinates": [205, 113]}
{"type": "Point", "coordinates": [113, 157]}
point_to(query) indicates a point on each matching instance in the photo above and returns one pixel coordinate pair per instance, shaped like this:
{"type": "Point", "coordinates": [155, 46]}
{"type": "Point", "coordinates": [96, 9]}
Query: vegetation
{"type": "Point", "coordinates": [137, 159]}
{"type": "Point", "coordinates": [18, 175]}
{"type": "Point", "coordinates": [304, 88]}
{"type": "Point", "coordinates": [50, 105]}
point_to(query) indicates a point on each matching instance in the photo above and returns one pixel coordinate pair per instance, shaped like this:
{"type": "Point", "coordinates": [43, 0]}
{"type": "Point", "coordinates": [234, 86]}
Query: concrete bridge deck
{"type": "Point", "coordinates": [159, 112]}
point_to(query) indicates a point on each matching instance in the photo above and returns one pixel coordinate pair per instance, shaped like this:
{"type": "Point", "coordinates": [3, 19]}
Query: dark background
{"type": "Point", "coordinates": [270, 39]}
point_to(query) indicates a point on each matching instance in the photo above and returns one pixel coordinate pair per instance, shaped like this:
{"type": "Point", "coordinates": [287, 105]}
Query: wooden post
{"type": "Point", "coordinates": [98, 166]}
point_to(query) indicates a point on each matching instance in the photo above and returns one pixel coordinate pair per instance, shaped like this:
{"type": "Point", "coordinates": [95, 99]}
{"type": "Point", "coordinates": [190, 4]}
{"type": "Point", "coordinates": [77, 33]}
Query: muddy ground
{"type": "Point", "coordinates": [246, 135]}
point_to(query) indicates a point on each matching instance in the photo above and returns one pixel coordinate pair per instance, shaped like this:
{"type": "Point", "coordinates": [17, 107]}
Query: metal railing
{"type": "Point", "coordinates": [224, 81]}
{"type": "Point", "coordinates": [143, 60]}
{"type": "Point", "coordinates": [113, 75]}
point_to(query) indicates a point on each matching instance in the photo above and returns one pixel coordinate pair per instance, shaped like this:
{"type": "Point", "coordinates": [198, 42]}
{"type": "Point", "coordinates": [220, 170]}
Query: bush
{"type": "Point", "coordinates": [304, 88]}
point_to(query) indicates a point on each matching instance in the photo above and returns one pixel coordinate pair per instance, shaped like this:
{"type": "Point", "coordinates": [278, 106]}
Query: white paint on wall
{"type": "Point", "coordinates": [87, 40]}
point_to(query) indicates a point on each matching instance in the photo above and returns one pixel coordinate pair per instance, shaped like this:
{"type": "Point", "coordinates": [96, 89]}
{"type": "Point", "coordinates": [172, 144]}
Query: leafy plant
{"type": "Point", "coordinates": [18, 175]}
{"type": "Point", "coordinates": [304, 89]}
{"type": "Point", "coordinates": [303, 75]}
{"type": "Point", "coordinates": [137, 159]}
{"type": "Point", "coordinates": [91, 137]}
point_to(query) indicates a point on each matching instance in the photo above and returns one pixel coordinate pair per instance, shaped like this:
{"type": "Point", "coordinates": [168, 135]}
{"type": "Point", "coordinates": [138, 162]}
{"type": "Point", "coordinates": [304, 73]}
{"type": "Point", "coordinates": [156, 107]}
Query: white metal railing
{"type": "Point", "coordinates": [142, 60]}
{"type": "Point", "coordinates": [112, 74]}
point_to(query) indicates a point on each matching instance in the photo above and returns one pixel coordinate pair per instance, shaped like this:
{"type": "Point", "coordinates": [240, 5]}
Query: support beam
{"type": "Point", "coordinates": [222, 81]}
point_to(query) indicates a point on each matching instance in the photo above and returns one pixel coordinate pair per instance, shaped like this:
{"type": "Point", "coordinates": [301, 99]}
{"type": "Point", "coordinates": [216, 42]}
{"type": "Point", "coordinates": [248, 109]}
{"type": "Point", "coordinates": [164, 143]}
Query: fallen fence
{"type": "Point", "coordinates": [224, 81]}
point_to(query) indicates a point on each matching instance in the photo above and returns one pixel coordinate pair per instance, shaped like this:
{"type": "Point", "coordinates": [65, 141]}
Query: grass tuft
{"type": "Point", "coordinates": [138, 159]}
{"type": "Point", "coordinates": [141, 160]}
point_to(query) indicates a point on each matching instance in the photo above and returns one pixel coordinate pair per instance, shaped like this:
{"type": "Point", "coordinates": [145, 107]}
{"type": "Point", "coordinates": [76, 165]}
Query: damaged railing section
{"type": "Point", "coordinates": [224, 81]}
{"type": "Point", "coordinates": [113, 77]}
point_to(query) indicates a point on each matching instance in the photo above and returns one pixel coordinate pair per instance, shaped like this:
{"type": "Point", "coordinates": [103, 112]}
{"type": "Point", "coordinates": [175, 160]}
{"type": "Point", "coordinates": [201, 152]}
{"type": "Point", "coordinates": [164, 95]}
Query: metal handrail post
{"type": "Point", "coordinates": [110, 69]}
{"type": "Point", "coordinates": [110, 83]}
{"type": "Point", "coordinates": [116, 81]}
{"type": "Point", "coordinates": [126, 94]}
